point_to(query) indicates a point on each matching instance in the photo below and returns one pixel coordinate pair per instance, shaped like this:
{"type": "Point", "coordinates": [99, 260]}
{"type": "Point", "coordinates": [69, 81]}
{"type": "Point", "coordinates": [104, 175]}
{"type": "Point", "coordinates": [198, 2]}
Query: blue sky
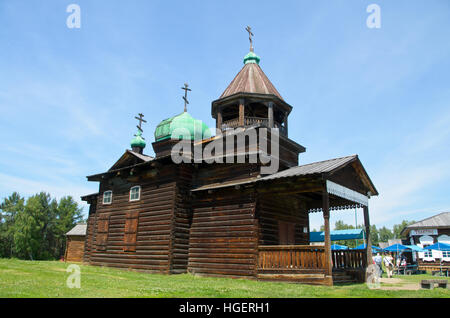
{"type": "Point", "coordinates": [68, 97]}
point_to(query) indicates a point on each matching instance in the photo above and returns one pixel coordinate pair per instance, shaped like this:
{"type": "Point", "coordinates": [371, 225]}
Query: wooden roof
{"type": "Point", "coordinates": [251, 79]}
{"type": "Point", "coordinates": [321, 168]}
{"type": "Point", "coordinates": [441, 220]}
{"type": "Point", "coordinates": [78, 230]}
{"type": "Point", "coordinates": [130, 158]}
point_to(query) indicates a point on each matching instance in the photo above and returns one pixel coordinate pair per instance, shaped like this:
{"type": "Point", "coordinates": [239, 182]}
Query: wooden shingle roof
{"type": "Point", "coordinates": [78, 230]}
{"type": "Point", "coordinates": [251, 79]}
{"type": "Point", "coordinates": [325, 167]}
{"type": "Point", "coordinates": [439, 220]}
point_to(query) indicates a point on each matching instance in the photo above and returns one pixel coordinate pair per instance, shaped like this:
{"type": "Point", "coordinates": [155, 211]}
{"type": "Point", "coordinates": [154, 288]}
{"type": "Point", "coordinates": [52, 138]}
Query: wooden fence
{"type": "Point", "coordinates": [349, 259]}
{"type": "Point", "coordinates": [291, 257]}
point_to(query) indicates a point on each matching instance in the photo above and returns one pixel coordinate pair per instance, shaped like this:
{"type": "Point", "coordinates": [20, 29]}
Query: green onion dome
{"type": "Point", "coordinates": [138, 141]}
{"type": "Point", "coordinates": [183, 125]}
{"type": "Point", "coordinates": [251, 57]}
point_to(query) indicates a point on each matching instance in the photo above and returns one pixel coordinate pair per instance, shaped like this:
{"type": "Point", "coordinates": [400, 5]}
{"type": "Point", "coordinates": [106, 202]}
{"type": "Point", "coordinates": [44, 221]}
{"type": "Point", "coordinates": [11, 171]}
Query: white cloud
{"type": "Point", "coordinates": [28, 187]}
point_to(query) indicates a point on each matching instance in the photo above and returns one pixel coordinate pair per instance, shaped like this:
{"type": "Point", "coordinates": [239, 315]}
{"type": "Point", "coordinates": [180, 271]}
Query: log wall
{"type": "Point", "coordinates": [223, 235]}
{"type": "Point", "coordinates": [181, 220]}
{"type": "Point", "coordinates": [136, 234]}
{"type": "Point", "coordinates": [90, 231]}
{"type": "Point", "coordinates": [285, 208]}
{"type": "Point", "coordinates": [74, 249]}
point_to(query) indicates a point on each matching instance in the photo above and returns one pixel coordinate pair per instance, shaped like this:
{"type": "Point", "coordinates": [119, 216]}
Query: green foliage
{"type": "Point", "coordinates": [398, 228]}
{"type": "Point", "coordinates": [36, 229]}
{"type": "Point", "coordinates": [47, 279]}
{"type": "Point", "coordinates": [8, 212]}
{"type": "Point", "coordinates": [385, 234]}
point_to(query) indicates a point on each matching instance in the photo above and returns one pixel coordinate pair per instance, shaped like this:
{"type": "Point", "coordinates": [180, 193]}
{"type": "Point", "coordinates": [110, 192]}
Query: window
{"type": "Point", "coordinates": [135, 193]}
{"type": "Point", "coordinates": [444, 239]}
{"type": "Point", "coordinates": [426, 240]}
{"type": "Point", "coordinates": [107, 197]}
{"type": "Point", "coordinates": [428, 254]}
{"type": "Point", "coordinates": [445, 254]}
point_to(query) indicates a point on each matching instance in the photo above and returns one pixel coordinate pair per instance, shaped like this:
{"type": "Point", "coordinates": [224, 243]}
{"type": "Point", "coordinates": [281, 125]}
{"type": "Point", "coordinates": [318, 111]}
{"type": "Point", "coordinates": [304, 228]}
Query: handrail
{"type": "Point", "coordinates": [291, 257]}
{"type": "Point", "coordinates": [290, 247]}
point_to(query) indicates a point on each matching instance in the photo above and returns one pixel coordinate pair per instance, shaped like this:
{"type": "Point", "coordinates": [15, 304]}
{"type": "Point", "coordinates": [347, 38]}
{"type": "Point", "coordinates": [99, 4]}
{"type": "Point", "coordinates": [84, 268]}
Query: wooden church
{"type": "Point", "coordinates": [224, 218]}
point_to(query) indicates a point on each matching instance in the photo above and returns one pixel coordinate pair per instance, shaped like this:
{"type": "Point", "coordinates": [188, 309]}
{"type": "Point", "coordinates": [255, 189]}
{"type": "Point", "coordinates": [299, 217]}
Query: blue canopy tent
{"type": "Point", "coordinates": [375, 249]}
{"type": "Point", "coordinates": [439, 247]}
{"type": "Point", "coordinates": [337, 235]}
{"type": "Point", "coordinates": [337, 247]}
{"type": "Point", "coordinates": [415, 248]}
{"type": "Point", "coordinates": [396, 248]}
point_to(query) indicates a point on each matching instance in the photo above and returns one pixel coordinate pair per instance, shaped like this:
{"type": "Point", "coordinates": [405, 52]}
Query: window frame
{"type": "Point", "coordinates": [139, 193]}
{"type": "Point", "coordinates": [103, 198]}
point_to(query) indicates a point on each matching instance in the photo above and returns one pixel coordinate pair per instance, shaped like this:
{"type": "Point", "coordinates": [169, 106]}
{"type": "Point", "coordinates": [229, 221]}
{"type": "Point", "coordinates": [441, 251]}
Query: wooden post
{"type": "Point", "coordinates": [241, 112]}
{"type": "Point", "coordinates": [326, 218]}
{"type": "Point", "coordinates": [270, 114]}
{"type": "Point", "coordinates": [219, 119]}
{"type": "Point", "coordinates": [368, 240]}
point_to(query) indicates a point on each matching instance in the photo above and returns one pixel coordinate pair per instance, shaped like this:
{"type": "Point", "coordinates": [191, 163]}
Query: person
{"type": "Point", "coordinates": [378, 260]}
{"type": "Point", "coordinates": [389, 264]}
{"type": "Point", "coordinates": [403, 263]}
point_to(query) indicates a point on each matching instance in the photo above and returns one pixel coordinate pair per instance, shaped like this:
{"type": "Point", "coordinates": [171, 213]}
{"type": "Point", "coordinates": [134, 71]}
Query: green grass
{"type": "Point", "coordinates": [48, 279]}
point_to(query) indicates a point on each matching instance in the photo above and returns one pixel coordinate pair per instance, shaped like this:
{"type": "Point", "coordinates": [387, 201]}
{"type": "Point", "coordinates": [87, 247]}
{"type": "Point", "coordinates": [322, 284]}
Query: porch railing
{"type": "Point", "coordinates": [349, 259]}
{"type": "Point", "coordinates": [291, 257]}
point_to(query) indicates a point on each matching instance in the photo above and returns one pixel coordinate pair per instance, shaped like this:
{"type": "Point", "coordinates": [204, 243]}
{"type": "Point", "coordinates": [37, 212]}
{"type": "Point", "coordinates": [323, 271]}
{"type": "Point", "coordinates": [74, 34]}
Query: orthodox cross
{"type": "Point", "coordinates": [250, 34]}
{"type": "Point", "coordinates": [186, 89]}
{"type": "Point", "coordinates": [141, 120]}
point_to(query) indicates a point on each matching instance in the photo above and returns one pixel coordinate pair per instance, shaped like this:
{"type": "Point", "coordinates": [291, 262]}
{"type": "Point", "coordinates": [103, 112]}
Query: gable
{"type": "Point", "coordinates": [130, 158]}
{"type": "Point", "coordinates": [350, 176]}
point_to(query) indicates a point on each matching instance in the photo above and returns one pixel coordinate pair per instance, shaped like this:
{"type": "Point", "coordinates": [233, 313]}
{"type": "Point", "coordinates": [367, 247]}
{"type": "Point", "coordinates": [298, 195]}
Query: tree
{"type": "Point", "coordinates": [374, 238]}
{"type": "Point", "coordinates": [29, 227]}
{"type": "Point", "coordinates": [8, 211]}
{"type": "Point", "coordinates": [398, 228]}
{"type": "Point", "coordinates": [39, 227]}
{"type": "Point", "coordinates": [68, 215]}
{"type": "Point", "coordinates": [385, 234]}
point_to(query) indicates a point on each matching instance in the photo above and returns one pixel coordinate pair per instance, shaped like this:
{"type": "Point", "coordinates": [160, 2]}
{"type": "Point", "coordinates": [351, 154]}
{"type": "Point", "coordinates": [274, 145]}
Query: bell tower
{"type": "Point", "coordinates": [251, 99]}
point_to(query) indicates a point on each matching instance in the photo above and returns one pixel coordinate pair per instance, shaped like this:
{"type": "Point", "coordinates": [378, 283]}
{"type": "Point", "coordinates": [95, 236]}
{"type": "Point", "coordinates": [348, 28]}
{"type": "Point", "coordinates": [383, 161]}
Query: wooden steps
{"type": "Point", "coordinates": [305, 276]}
{"type": "Point", "coordinates": [342, 277]}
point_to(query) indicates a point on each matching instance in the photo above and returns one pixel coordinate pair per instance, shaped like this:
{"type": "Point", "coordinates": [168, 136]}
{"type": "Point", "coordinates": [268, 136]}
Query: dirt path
{"type": "Point", "coordinates": [399, 283]}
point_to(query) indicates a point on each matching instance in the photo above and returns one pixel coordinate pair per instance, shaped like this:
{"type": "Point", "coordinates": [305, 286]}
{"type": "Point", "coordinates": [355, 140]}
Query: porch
{"type": "Point", "coordinates": [334, 185]}
{"type": "Point", "coordinates": [262, 225]}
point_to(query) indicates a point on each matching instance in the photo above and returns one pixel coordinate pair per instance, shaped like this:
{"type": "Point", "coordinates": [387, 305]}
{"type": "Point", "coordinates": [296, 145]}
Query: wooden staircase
{"type": "Point", "coordinates": [312, 277]}
{"type": "Point", "coordinates": [341, 277]}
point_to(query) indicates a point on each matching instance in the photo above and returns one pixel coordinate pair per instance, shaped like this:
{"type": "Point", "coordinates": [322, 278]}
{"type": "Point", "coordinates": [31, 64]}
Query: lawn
{"type": "Point", "coordinates": [48, 279]}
